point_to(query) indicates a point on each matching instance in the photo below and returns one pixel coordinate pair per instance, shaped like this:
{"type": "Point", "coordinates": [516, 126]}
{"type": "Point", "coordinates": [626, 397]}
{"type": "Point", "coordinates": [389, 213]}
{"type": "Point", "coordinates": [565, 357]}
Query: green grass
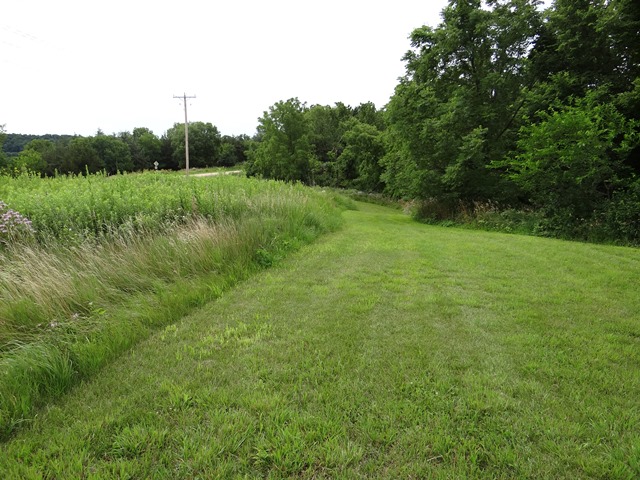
{"type": "Point", "coordinates": [74, 209]}
{"type": "Point", "coordinates": [71, 305]}
{"type": "Point", "coordinates": [389, 349]}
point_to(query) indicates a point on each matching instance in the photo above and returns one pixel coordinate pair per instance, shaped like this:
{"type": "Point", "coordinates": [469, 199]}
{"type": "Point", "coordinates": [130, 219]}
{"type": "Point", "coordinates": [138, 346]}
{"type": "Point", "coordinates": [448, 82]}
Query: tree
{"type": "Point", "coordinates": [284, 151]}
{"type": "Point", "coordinates": [113, 153]}
{"type": "Point", "coordinates": [30, 161]}
{"type": "Point", "coordinates": [78, 156]}
{"type": "Point", "coordinates": [39, 145]}
{"type": "Point", "coordinates": [327, 128]}
{"type": "Point", "coordinates": [572, 159]}
{"type": "Point", "coordinates": [359, 163]}
{"type": "Point", "coordinates": [584, 45]}
{"type": "Point", "coordinates": [144, 147]}
{"type": "Point", "coordinates": [367, 113]}
{"type": "Point", "coordinates": [32, 157]}
{"type": "Point", "coordinates": [167, 159]}
{"type": "Point", "coordinates": [594, 40]}
{"type": "Point", "coordinates": [204, 144]}
{"type": "Point", "coordinates": [576, 155]}
{"type": "Point", "coordinates": [456, 109]}
{"type": "Point", "coordinates": [3, 157]}
{"type": "Point", "coordinates": [233, 150]}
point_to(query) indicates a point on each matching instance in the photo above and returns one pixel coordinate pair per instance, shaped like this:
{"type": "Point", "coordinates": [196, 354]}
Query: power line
{"type": "Point", "coordinates": [186, 130]}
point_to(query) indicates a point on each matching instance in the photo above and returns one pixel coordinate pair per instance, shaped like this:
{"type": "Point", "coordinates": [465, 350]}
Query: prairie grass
{"type": "Point", "coordinates": [76, 209]}
{"type": "Point", "coordinates": [71, 302]}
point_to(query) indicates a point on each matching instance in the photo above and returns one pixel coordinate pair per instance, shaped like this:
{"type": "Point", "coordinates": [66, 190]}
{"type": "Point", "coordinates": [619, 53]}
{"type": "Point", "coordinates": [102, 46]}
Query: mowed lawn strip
{"type": "Point", "coordinates": [391, 350]}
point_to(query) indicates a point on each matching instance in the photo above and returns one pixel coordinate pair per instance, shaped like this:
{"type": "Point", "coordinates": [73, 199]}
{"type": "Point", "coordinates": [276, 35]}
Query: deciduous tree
{"type": "Point", "coordinates": [456, 108]}
{"type": "Point", "coordinates": [284, 151]}
{"type": "Point", "coordinates": [204, 144]}
{"type": "Point", "coordinates": [3, 156]}
{"type": "Point", "coordinates": [359, 164]}
{"type": "Point", "coordinates": [572, 159]}
{"type": "Point", "coordinates": [114, 154]}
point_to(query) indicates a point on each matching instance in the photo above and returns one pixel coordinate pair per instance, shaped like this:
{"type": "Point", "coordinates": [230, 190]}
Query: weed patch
{"type": "Point", "coordinates": [73, 302]}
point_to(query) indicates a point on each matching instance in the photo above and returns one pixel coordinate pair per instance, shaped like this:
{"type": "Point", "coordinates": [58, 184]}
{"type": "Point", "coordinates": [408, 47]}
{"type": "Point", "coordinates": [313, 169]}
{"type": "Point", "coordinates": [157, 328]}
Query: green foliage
{"type": "Point", "coordinates": [204, 144]}
{"type": "Point", "coordinates": [359, 162]}
{"type": "Point", "coordinates": [284, 151]}
{"type": "Point", "coordinates": [480, 215]}
{"type": "Point", "coordinates": [336, 146]}
{"type": "Point", "coordinates": [80, 156]}
{"type": "Point", "coordinates": [619, 219]}
{"type": "Point", "coordinates": [455, 109]}
{"type": "Point", "coordinates": [144, 147]}
{"type": "Point", "coordinates": [114, 153]}
{"type": "Point", "coordinates": [119, 256]}
{"type": "Point", "coordinates": [54, 159]}
{"type": "Point", "coordinates": [39, 145]}
{"type": "Point", "coordinates": [505, 105]}
{"type": "Point", "coordinates": [400, 174]}
{"type": "Point", "coordinates": [390, 350]}
{"type": "Point", "coordinates": [16, 142]}
{"type": "Point", "coordinates": [572, 159]}
{"type": "Point", "coordinates": [594, 41]}
{"type": "Point", "coordinates": [30, 161]}
{"type": "Point", "coordinates": [3, 157]}
{"type": "Point", "coordinates": [327, 126]}
{"type": "Point", "coordinates": [233, 150]}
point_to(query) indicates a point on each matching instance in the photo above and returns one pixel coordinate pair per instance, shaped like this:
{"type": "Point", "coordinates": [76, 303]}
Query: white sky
{"type": "Point", "coordinates": [73, 66]}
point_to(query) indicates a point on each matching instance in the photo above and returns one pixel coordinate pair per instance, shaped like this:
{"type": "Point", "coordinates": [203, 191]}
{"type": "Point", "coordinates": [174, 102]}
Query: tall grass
{"type": "Point", "coordinates": [618, 226]}
{"type": "Point", "coordinates": [79, 208]}
{"type": "Point", "coordinates": [479, 215]}
{"type": "Point", "coordinates": [112, 258]}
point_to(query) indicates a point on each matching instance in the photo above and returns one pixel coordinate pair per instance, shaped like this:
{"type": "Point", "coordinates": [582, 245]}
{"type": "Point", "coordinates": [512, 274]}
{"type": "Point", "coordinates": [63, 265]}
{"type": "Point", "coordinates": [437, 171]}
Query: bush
{"type": "Point", "coordinates": [621, 216]}
{"type": "Point", "coordinates": [481, 215]}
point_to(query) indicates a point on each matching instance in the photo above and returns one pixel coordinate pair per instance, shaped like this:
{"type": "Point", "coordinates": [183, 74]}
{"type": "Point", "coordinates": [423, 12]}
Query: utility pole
{"type": "Point", "coordinates": [186, 130]}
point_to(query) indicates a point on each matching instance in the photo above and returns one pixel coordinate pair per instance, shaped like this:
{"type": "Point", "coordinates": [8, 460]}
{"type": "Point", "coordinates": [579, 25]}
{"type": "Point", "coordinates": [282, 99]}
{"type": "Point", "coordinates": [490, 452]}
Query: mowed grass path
{"type": "Point", "coordinates": [387, 350]}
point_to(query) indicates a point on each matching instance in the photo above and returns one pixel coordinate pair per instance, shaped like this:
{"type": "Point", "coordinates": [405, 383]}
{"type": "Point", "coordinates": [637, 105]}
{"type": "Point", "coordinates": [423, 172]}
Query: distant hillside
{"type": "Point", "coordinates": [15, 142]}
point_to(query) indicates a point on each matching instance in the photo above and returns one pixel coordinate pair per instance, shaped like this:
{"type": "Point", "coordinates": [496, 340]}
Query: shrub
{"type": "Point", "coordinates": [621, 216]}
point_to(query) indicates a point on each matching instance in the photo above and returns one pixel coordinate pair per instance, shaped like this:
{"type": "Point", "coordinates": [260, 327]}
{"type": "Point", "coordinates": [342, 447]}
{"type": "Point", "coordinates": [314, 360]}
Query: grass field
{"type": "Point", "coordinates": [389, 349]}
{"type": "Point", "coordinates": [111, 259]}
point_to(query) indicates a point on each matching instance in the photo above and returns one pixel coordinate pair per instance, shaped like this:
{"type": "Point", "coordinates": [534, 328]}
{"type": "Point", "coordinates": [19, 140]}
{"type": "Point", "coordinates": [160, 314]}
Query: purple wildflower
{"type": "Point", "coordinates": [13, 225]}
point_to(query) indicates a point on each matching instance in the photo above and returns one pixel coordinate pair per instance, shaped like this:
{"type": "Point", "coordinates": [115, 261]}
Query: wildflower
{"type": "Point", "coordinates": [13, 225]}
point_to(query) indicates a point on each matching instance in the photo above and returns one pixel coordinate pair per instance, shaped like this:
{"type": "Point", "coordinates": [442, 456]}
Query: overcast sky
{"type": "Point", "coordinates": [73, 66]}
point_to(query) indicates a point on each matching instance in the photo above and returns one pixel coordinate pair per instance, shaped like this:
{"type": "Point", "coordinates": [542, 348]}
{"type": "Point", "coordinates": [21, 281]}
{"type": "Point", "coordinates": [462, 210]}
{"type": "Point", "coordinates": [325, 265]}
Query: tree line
{"type": "Point", "coordinates": [14, 143]}
{"type": "Point", "coordinates": [122, 152]}
{"type": "Point", "coordinates": [337, 146]}
{"type": "Point", "coordinates": [501, 103]}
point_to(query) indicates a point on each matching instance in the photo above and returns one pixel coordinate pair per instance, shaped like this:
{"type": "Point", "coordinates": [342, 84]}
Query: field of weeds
{"type": "Point", "coordinates": [91, 265]}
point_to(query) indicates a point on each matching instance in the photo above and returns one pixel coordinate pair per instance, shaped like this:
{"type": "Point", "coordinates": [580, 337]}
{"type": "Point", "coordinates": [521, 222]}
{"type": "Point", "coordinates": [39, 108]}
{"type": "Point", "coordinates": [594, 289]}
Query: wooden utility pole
{"type": "Point", "coordinates": [186, 130]}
